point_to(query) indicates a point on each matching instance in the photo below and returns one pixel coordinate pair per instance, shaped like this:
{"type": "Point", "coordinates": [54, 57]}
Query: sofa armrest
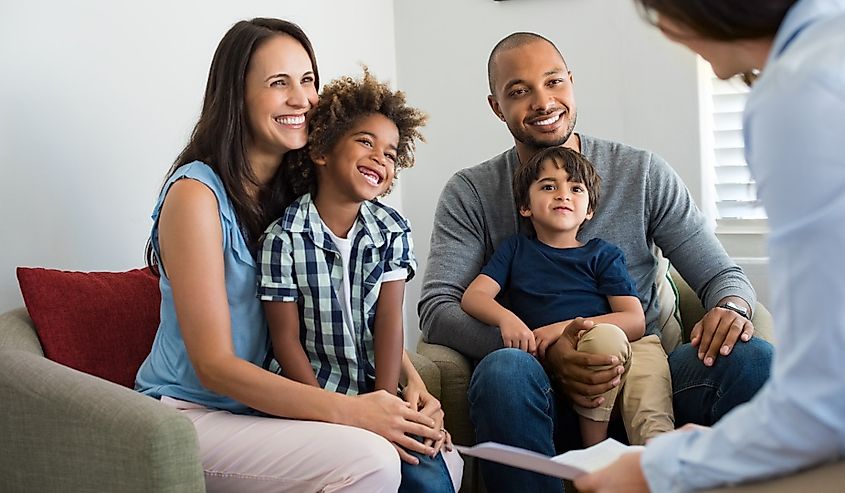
{"type": "Point", "coordinates": [455, 373]}
{"type": "Point", "coordinates": [822, 478]}
{"type": "Point", "coordinates": [428, 371]}
{"type": "Point", "coordinates": [692, 311]}
{"type": "Point", "coordinates": [64, 430]}
{"type": "Point", "coordinates": [18, 332]}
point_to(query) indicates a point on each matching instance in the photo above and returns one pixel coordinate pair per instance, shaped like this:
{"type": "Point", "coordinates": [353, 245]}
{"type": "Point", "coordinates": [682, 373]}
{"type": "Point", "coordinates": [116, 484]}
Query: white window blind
{"type": "Point", "coordinates": [735, 191]}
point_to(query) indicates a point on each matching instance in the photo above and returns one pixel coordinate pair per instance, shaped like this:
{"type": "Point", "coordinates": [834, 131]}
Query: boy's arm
{"type": "Point", "coordinates": [627, 314]}
{"type": "Point", "coordinates": [388, 335]}
{"type": "Point", "coordinates": [283, 322]}
{"type": "Point", "coordinates": [479, 301]}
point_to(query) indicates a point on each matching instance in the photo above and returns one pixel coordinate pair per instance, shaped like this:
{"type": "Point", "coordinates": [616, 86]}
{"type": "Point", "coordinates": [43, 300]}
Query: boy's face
{"type": "Point", "coordinates": [557, 205]}
{"type": "Point", "coordinates": [361, 164]}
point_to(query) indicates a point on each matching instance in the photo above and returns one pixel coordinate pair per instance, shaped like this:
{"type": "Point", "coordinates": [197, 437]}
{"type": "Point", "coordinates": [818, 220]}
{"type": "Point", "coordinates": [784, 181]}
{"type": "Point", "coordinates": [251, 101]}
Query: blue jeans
{"type": "Point", "coordinates": [430, 475]}
{"type": "Point", "coordinates": [511, 401]}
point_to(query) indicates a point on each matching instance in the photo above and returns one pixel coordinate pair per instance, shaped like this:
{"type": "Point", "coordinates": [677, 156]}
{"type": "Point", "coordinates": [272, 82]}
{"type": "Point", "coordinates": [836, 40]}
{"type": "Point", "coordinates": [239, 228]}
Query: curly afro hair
{"type": "Point", "coordinates": [342, 103]}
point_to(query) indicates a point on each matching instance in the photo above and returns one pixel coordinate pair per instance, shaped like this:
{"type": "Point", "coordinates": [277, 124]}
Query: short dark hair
{"type": "Point", "coordinates": [343, 102]}
{"type": "Point", "coordinates": [723, 20]}
{"type": "Point", "coordinates": [509, 42]}
{"type": "Point", "coordinates": [578, 167]}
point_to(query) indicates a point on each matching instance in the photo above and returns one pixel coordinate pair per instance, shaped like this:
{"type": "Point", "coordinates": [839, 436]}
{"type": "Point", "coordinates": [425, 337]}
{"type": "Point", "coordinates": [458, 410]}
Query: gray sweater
{"type": "Point", "coordinates": [643, 202]}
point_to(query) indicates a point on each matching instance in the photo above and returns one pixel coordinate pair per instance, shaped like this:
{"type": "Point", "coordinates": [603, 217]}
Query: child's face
{"type": "Point", "coordinates": [557, 205]}
{"type": "Point", "coordinates": [361, 164]}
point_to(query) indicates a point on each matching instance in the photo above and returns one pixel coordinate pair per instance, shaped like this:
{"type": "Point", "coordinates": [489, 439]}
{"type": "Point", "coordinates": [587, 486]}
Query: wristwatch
{"type": "Point", "coordinates": [730, 305]}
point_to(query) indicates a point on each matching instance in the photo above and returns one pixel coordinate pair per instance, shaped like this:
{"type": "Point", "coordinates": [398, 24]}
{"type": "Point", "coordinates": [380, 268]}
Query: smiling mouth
{"type": "Point", "coordinates": [291, 120]}
{"type": "Point", "coordinates": [550, 120]}
{"type": "Point", "coordinates": [371, 176]}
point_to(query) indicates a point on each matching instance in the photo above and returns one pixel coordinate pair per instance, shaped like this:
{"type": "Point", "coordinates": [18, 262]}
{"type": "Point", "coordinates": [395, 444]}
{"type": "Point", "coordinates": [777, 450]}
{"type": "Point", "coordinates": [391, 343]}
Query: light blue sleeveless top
{"type": "Point", "coordinates": [168, 370]}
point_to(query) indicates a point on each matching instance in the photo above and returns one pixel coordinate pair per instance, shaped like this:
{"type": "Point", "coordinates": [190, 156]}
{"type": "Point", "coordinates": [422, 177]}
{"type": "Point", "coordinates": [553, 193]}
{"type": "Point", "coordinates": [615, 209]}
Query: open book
{"type": "Point", "coordinates": [567, 466]}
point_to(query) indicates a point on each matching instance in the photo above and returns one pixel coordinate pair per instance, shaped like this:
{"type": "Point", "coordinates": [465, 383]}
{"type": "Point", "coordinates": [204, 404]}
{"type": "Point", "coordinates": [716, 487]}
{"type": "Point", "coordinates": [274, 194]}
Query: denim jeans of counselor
{"type": "Point", "coordinates": [512, 401]}
{"type": "Point", "coordinates": [430, 475]}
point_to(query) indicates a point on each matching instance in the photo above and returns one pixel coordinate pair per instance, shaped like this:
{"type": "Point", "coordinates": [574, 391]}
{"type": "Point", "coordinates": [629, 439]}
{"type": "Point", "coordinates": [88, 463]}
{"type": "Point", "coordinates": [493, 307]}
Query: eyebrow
{"type": "Point", "coordinates": [284, 75]}
{"type": "Point", "coordinates": [514, 82]}
{"type": "Point", "coordinates": [366, 132]}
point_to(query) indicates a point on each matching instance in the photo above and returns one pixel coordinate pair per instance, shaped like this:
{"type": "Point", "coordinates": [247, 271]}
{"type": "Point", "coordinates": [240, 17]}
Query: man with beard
{"type": "Point", "coordinates": [511, 396]}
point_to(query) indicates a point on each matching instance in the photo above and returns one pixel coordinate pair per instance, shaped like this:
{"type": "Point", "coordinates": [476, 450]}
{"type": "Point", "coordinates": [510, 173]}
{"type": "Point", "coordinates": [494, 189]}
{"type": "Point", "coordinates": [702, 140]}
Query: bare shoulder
{"type": "Point", "coordinates": [191, 197]}
{"type": "Point", "coordinates": [190, 219]}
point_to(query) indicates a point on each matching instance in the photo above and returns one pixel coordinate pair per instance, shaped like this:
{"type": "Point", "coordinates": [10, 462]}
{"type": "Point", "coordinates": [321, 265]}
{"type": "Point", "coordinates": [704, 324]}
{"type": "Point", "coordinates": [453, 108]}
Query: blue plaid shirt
{"type": "Point", "coordinates": [299, 262]}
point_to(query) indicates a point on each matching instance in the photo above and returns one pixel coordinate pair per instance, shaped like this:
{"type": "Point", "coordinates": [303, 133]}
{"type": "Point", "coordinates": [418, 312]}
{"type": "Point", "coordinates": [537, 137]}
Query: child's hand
{"type": "Point", "coordinates": [548, 335]}
{"type": "Point", "coordinates": [419, 398]}
{"type": "Point", "coordinates": [516, 334]}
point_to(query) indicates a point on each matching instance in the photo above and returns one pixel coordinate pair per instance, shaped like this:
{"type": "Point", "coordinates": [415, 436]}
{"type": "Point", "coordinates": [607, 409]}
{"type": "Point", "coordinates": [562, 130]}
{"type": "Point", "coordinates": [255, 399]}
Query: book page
{"type": "Point", "coordinates": [567, 466]}
{"type": "Point", "coordinates": [596, 457]}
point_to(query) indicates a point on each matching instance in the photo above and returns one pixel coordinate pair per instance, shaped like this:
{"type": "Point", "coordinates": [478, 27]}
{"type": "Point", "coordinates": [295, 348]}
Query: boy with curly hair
{"type": "Point", "coordinates": [333, 268]}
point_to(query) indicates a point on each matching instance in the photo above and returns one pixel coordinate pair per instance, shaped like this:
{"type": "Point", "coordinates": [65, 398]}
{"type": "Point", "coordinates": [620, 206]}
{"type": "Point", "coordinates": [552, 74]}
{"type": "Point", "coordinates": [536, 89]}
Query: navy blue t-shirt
{"type": "Point", "coordinates": [545, 285]}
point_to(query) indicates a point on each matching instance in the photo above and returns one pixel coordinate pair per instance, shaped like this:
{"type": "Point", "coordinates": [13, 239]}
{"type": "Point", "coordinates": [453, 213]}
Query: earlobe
{"type": "Point", "coordinates": [494, 105]}
{"type": "Point", "coordinates": [318, 159]}
{"type": "Point", "coordinates": [524, 212]}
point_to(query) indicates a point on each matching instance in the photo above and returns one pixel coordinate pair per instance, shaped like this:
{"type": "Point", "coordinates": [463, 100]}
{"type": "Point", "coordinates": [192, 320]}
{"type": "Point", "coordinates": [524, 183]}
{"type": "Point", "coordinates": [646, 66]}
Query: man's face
{"type": "Point", "coordinates": [534, 95]}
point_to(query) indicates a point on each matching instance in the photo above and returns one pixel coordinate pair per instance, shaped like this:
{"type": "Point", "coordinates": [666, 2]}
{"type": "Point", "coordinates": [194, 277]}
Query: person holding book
{"type": "Point", "coordinates": [794, 52]}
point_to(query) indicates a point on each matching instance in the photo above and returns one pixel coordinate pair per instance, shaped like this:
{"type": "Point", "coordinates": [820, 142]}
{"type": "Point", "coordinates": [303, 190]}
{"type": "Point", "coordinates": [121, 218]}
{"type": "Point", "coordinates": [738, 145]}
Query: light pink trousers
{"type": "Point", "coordinates": [248, 454]}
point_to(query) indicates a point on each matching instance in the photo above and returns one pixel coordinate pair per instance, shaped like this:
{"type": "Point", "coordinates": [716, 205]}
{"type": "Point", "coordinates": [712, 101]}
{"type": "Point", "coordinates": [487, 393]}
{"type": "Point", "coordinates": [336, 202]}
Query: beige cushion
{"type": "Point", "coordinates": [669, 317]}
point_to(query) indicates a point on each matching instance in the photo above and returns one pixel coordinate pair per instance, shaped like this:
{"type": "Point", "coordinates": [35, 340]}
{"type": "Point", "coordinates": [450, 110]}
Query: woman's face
{"type": "Point", "coordinates": [279, 91]}
{"type": "Point", "coordinates": [723, 56]}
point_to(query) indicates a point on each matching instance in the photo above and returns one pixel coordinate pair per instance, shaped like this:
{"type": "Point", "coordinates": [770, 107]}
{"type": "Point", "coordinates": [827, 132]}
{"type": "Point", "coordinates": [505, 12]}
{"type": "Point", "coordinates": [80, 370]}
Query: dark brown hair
{"type": "Point", "coordinates": [342, 103]}
{"type": "Point", "coordinates": [578, 167]}
{"type": "Point", "coordinates": [221, 134]}
{"type": "Point", "coordinates": [723, 20]}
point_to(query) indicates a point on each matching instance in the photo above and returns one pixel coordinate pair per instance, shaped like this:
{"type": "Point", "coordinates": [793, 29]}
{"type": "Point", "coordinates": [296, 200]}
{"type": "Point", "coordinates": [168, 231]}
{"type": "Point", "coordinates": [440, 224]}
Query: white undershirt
{"type": "Point", "coordinates": [344, 247]}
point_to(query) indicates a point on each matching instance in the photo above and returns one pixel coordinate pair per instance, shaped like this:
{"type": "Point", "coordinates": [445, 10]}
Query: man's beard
{"type": "Point", "coordinates": [526, 139]}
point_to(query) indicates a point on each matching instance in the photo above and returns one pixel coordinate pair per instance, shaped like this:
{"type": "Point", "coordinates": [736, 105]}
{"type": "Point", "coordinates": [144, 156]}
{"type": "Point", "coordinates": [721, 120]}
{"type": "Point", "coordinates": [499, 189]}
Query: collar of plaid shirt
{"type": "Point", "coordinates": [306, 219]}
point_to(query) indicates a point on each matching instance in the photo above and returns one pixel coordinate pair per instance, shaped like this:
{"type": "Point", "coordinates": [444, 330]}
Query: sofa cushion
{"type": "Point", "coordinates": [101, 323]}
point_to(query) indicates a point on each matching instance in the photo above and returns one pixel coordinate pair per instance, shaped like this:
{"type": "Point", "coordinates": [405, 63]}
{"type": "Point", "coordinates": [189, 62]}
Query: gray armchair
{"type": "Point", "coordinates": [456, 370]}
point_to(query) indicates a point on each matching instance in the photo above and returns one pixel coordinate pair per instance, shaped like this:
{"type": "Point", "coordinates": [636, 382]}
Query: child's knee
{"type": "Point", "coordinates": [606, 339]}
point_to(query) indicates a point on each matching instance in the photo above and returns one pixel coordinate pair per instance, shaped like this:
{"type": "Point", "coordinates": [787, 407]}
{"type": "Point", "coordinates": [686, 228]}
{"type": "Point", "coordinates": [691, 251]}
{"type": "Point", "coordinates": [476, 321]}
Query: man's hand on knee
{"type": "Point", "coordinates": [576, 372]}
{"type": "Point", "coordinates": [718, 332]}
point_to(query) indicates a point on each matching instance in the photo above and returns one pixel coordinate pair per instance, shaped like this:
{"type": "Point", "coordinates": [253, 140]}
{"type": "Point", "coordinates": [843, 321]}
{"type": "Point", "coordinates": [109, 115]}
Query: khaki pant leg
{"type": "Point", "coordinates": [605, 339]}
{"type": "Point", "coordinates": [647, 396]}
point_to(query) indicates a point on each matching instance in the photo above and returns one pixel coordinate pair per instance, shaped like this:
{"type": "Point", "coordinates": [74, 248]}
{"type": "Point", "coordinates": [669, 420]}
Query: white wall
{"type": "Point", "coordinates": [98, 97]}
{"type": "Point", "coordinates": [630, 85]}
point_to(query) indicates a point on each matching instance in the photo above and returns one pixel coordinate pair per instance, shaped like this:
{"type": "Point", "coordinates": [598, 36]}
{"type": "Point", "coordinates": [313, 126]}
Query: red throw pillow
{"type": "Point", "coordinates": [101, 323]}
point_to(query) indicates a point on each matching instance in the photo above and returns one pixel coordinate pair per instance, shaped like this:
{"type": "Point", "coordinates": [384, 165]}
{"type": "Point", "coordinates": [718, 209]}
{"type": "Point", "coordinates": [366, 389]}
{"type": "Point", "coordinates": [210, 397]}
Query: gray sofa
{"type": "Point", "coordinates": [64, 430]}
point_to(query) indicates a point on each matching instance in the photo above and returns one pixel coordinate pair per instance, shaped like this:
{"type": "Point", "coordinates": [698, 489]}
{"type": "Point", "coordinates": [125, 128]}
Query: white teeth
{"type": "Point", "coordinates": [548, 121]}
{"type": "Point", "coordinates": [291, 120]}
{"type": "Point", "coordinates": [370, 176]}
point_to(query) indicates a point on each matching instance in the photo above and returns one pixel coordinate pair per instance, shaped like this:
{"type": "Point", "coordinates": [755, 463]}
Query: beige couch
{"type": "Point", "coordinates": [63, 430]}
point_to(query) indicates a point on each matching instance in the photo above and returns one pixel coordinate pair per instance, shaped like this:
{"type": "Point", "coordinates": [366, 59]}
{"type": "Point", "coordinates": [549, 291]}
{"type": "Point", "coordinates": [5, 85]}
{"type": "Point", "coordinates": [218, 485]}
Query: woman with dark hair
{"type": "Point", "coordinates": [793, 124]}
{"type": "Point", "coordinates": [209, 356]}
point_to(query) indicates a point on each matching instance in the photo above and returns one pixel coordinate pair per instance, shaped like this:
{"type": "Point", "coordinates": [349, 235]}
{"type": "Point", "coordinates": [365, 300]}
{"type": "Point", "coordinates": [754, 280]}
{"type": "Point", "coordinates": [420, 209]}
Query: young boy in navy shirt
{"type": "Point", "coordinates": [550, 278]}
